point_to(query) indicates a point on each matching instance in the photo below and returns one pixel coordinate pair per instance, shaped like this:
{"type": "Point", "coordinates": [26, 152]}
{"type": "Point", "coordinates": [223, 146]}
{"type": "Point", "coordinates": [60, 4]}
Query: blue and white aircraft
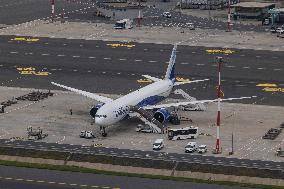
{"type": "Point", "coordinates": [111, 111]}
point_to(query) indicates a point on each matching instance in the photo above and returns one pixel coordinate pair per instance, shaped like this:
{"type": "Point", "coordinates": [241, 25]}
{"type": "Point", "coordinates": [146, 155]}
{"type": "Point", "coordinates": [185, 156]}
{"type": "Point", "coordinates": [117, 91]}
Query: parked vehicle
{"type": "Point", "coordinates": [143, 129]}
{"type": "Point", "coordinates": [273, 29]}
{"type": "Point", "coordinates": [183, 133]}
{"type": "Point", "coordinates": [123, 24]}
{"type": "Point", "coordinates": [190, 26]}
{"type": "Point", "coordinates": [158, 144]}
{"type": "Point", "coordinates": [167, 14]}
{"type": "Point", "coordinates": [87, 134]}
{"type": "Point", "coordinates": [280, 29]}
{"type": "Point", "coordinates": [191, 147]}
{"type": "Point", "coordinates": [202, 149]}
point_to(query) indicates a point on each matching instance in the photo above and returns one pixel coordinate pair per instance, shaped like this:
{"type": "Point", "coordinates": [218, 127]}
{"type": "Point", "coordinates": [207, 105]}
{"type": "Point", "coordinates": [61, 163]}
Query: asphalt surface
{"type": "Point", "coordinates": [95, 66]}
{"type": "Point", "coordinates": [27, 178]}
{"type": "Point", "coordinates": [153, 17]}
{"type": "Point", "coordinates": [16, 12]}
{"type": "Point", "coordinates": [210, 160]}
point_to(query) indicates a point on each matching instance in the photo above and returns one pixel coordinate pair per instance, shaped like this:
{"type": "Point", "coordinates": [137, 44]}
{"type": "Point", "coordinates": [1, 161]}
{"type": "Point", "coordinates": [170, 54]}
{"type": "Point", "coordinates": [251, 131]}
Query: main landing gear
{"type": "Point", "coordinates": [103, 131]}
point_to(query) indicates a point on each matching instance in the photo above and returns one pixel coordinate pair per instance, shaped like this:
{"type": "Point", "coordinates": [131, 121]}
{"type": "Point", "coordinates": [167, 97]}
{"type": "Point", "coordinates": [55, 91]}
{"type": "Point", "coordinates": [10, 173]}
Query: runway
{"type": "Point", "coordinates": [27, 178]}
{"type": "Point", "coordinates": [115, 67]}
{"type": "Point", "coordinates": [199, 159]}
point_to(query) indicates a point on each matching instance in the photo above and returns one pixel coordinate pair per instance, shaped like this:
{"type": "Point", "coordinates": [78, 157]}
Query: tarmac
{"type": "Point", "coordinates": [147, 34]}
{"type": "Point", "coordinates": [247, 123]}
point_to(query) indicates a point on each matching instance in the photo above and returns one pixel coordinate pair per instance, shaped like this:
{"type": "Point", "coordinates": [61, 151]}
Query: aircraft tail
{"type": "Point", "coordinates": [170, 74]}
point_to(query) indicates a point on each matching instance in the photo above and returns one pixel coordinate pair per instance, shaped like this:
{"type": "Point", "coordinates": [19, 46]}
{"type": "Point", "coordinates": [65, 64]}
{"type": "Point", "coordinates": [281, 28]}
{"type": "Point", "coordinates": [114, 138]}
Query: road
{"type": "Point", "coordinates": [199, 159]}
{"type": "Point", "coordinates": [97, 66]}
{"type": "Point", "coordinates": [27, 178]}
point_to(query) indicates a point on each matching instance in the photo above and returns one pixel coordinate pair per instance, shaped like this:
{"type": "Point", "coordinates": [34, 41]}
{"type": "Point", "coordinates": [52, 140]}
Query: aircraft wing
{"type": "Point", "coordinates": [191, 102]}
{"type": "Point", "coordinates": [84, 93]}
{"type": "Point", "coordinates": [186, 82]}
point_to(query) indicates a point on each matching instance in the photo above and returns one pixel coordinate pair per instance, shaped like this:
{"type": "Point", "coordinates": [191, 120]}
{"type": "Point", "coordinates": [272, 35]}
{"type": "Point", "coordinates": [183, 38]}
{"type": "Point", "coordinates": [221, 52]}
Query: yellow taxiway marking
{"type": "Point", "coordinates": [180, 79]}
{"type": "Point", "coordinates": [266, 85]}
{"type": "Point", "coordinates": [224, 51]}
{"type": "Point", "coordinates": [222, 94]}
{"type": "Point", "coordinates": [115, 45]}
{"type": "Point", "coordinates": [144, 81]}
{"type": "Point", "coordinates": [273, 89]}
{"type": "Point", "coordinates": [31, 71]}
{"type": "Point", "coordinates": [25, 39]}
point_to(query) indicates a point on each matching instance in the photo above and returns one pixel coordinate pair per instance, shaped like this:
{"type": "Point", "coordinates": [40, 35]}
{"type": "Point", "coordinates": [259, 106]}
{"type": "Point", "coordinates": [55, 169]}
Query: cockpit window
{"type": "Point", "coordinates": [104, 116]}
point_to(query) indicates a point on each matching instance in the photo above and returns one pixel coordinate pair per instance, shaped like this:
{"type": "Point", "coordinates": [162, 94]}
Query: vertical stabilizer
{"type": "Point", "coordinates": [170, 74]}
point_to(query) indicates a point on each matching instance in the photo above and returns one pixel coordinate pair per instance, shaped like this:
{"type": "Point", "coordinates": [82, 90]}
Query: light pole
{"type": "Point", "coordinates": [229, 16]}
{"type": "Point", "coordinates": [52, 9]}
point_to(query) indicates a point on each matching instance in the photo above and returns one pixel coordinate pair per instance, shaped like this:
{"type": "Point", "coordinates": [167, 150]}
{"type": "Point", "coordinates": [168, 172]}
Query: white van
{"type": "Point", "coordinates": [158, 144]}
{"type": "Point", "coordinates": [202, 149]}
{"type": "Point", "coordinates": [191, 147]}
{"type": "Point", "coordinates": [123, 24]}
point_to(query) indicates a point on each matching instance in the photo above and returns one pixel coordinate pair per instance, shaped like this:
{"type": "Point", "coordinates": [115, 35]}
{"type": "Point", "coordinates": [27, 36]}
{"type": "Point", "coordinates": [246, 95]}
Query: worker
{"type": "Point", "coordinates": [71, 112]}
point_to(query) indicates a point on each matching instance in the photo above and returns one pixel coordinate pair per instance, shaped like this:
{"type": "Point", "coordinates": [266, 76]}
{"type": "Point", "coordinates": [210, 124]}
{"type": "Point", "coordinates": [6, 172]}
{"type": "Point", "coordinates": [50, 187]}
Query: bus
{"type": "Point", "coordinates": [183, 133]}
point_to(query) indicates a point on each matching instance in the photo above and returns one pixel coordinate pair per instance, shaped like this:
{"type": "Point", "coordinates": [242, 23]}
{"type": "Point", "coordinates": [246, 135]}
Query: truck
{"type": "Point", "coordinates": [35, 134]}
{"type": "Point", "coordinates": [87, 134]}
{"type": "Point", "coordinates": [123, 24]}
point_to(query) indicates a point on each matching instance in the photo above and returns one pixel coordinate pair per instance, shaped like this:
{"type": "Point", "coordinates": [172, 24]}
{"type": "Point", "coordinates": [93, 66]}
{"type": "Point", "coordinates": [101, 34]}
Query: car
{"type": "Point", "coordinates": [280, 29]}
{"type": "Point", "coordinates": [167, 14]}
{"type": "Point", "coordinates": [191, 147]}
{"type": "Point", "coordinates": [158, 144]}
{"type": "Point", "coordinates": [190, 26]}
{"type": "Point", "coordinates": [87, 134]}
{"type": "Point", "coordinates": [273, 29]}
{"type": "Point", "coordinates": [82, 134]}
{"type": "Point", "coordinates": [202, 149]}
{"type": "Point", "coordinates": [143, 129]}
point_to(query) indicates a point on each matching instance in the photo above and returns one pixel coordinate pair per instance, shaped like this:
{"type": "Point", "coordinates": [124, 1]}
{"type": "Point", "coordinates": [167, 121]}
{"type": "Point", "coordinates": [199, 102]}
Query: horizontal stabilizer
{"type": "Point", "coordinates": [187, 82]}
{"type": "Point", "coordinates": [84, 93]}
{"type": "Point", "coordinates": [152, 78]}
{"type": "Point", "coordinates": [191, 102]}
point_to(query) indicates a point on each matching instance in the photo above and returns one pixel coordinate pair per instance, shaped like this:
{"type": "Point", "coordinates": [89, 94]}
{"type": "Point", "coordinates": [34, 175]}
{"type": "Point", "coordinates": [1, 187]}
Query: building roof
{"type": "Point", "coordinates": [252, 5]}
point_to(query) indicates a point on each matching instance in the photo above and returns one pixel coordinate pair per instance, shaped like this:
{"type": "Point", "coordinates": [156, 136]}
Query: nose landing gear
{"type": "Point", "coordinates": [103, 131]}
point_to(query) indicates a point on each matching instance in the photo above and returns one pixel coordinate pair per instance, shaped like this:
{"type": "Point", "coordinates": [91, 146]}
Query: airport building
{"type": "Point", "coordinates": [252, 10]}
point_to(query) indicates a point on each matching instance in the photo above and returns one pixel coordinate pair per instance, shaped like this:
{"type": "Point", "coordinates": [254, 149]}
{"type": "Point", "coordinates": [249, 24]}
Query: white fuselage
{"type": "Point", "coordinates": [116, 110]}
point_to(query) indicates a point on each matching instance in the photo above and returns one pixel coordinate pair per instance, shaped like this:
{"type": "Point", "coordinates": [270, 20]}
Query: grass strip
{"type": "Point", "coordinates": [95, 171]}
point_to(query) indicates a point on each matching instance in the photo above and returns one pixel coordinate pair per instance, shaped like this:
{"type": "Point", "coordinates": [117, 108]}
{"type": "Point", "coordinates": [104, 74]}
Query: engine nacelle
{"type": "Point", "coordinates": [162, 115]}
{"type": "Point", "coordinates": [94, 109]}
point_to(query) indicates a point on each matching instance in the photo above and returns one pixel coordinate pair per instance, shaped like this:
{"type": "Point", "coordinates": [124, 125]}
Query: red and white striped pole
{"type": "Point", "coordinates": [52, 9]}
{"type": "Point", "coordinates": [220, 59]}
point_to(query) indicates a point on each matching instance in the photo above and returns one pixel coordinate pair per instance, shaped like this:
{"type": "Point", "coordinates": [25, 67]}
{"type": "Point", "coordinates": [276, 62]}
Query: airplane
{"type": "Point", "coordinates": [110, 111]}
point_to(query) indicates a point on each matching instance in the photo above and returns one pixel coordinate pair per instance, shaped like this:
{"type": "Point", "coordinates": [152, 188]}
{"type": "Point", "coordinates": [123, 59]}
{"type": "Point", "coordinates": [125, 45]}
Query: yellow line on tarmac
{"type": "Point", "coordinates": [266, 85]}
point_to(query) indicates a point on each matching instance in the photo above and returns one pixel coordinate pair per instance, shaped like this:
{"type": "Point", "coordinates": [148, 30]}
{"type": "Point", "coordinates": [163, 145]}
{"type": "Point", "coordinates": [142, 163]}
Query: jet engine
{"type": "Point", "coordinates": [162, 115]}
{"type": "Point", "coordinates": [94, 109]}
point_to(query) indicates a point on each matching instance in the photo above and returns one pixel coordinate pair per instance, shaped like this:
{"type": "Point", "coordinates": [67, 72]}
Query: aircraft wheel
{"type": "Point", "coordinates": [104, 134]}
